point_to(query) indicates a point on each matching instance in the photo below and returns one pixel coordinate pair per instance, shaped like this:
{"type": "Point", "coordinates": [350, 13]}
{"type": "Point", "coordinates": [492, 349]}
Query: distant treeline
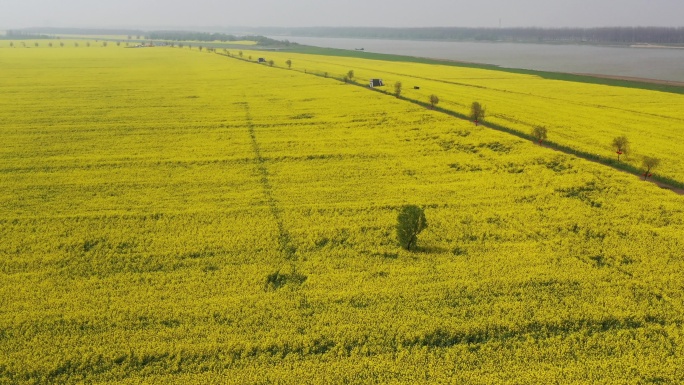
{"type": "Point", "coordinates": [604, 35]}
{"type": "Point", "coordinates": [205, 36]}
{"type": "Point", "coordinates": [22, 35]}
{"type": "Point", "coordinates": [83, 31]}
{"type": "Point", "coordinates": [188, 35]}
{"type": "Point", "coordinates": [43, 33]}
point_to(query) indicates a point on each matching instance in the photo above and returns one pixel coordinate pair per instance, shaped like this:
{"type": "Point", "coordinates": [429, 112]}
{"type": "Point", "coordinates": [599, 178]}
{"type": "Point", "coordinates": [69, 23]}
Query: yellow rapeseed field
{"type": "Point", "coordinates": [182, 217]}
{"type": "Point", "coordinates": [586, 117]}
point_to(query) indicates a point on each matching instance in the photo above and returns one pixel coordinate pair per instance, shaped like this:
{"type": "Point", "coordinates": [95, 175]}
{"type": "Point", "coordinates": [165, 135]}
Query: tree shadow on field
{"type": "Point", "coordinates": [396, 253]}
{"type": "Point", "coordinates": [430, 249]}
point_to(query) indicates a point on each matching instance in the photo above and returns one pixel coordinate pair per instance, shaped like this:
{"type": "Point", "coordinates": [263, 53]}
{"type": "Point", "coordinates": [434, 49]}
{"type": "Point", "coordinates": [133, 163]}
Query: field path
{"type": "Point", "coordinates": [662, 184]}
{"type": "Point", "coordinates": [526, 94]}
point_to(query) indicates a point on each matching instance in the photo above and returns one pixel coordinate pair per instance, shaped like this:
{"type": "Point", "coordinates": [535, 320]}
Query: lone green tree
{"type": "Point", "coordinates": [477, 112]}
{"type": "Point", "coordinates": [270, 63]}
{"type": "Point", "coordinates": [350, 75]}
{"type": "Point", "coordinates": [434, 99]}
{"type": "Point", "coordinates": [240, 53]}
{"type": "Point", "coordinates": [649, 164]}
{"type": "Point", "coordinates": [397, 89]}
{"type": "Point", "coordinates": [289, 63]}
{"type": "Point", "coordinates": [539, 134]}
{"type": "Point", "coordinates": [410, 222]}
{"type": "Point", "coordinates": [621, 145]}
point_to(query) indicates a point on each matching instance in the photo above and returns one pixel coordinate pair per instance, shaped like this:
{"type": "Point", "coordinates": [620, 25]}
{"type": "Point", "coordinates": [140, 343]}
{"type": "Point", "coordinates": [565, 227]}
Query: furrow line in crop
{"type": "Point", "coordinates": [284, 240]}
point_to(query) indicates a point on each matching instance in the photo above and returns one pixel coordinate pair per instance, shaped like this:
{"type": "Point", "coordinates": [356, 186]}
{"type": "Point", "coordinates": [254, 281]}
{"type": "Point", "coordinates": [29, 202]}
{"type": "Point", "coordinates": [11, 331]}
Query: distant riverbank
{"type": "Point", "coordinates": [655, 46]}
{"type": "Point", "coordinates": [654, 63]}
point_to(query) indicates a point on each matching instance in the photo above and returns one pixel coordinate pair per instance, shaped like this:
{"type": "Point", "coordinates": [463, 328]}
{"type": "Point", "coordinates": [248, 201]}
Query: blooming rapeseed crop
{"type": "Point", "coordinates": [149, 194]}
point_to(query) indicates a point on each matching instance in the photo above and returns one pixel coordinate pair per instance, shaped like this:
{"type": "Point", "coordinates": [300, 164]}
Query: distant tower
{"type": "Point", "coordinates": [499, 23]}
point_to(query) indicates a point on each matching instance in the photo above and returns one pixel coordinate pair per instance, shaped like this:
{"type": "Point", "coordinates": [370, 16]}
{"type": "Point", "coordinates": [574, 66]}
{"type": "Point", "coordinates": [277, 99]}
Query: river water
{"type": "Point", "coordinates": [649, 63]}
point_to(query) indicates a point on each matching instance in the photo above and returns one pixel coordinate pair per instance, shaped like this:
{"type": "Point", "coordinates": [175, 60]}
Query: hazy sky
{"type": "Point", "coordinates": [386, 13]}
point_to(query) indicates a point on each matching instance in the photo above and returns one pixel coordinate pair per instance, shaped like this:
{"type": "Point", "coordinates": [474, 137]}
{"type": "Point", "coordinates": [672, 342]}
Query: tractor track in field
{"type": "Point", "coordinates": [284, 239]}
